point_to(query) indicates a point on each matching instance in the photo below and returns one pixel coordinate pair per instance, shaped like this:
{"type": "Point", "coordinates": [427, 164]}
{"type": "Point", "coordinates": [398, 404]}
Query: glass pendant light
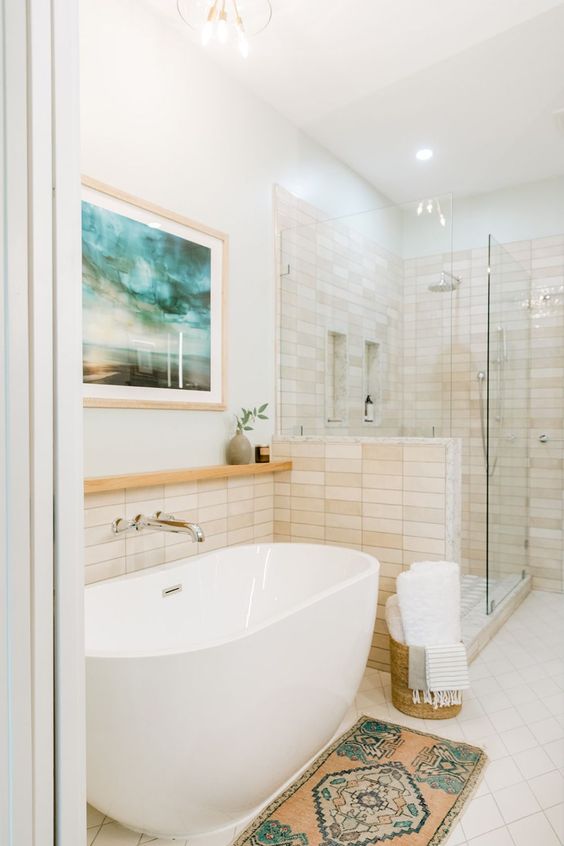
{"type": "Point", "coordinates": [225, 21]}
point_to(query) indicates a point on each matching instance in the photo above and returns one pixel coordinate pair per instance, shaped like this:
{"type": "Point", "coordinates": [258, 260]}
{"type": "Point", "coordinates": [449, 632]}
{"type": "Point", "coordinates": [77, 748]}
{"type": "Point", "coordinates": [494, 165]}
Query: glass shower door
{"type": "Point", "coordinates": [505, 431]}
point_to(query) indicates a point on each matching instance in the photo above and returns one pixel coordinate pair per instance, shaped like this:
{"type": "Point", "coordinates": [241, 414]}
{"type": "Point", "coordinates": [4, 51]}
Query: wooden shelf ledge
{"type": "Point", "coordinates": [97, 484]}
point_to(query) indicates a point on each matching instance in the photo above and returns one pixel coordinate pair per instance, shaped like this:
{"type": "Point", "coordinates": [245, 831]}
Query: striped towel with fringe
{"type": "Point", "coordinates": [446, 672]}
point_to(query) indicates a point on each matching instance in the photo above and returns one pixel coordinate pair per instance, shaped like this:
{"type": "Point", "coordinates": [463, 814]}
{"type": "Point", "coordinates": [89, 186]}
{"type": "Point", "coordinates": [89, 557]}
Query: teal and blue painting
{"type": "Point", "coordinates": [146, 304]}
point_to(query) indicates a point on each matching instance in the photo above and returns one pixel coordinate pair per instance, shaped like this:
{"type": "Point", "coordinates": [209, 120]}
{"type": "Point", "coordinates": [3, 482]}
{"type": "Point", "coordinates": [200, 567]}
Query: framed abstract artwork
{"type": "Point", "coordinates": [154, 293]}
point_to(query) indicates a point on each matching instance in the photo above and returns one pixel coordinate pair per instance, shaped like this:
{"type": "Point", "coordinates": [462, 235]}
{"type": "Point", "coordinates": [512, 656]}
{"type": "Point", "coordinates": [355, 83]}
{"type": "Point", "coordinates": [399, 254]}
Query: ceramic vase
{"type": "Point", "coordinates": [239, 450]}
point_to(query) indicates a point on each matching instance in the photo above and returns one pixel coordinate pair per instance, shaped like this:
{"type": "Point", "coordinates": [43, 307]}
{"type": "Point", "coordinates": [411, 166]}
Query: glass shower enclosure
{"type": "Point", "coordinates": [379, 304]}
{"type": "Point", "coordinates": [506, 409]}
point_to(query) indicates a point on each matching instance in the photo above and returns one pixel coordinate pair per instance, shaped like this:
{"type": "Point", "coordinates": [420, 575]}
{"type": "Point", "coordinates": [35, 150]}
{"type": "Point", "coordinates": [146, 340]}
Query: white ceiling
{"type": "Point", "coordinates": [375, 80]}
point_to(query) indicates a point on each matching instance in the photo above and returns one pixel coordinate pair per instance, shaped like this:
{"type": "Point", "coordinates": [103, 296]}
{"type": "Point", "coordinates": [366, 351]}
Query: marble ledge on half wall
{"type": "Point", "coordinates": [364, 439]}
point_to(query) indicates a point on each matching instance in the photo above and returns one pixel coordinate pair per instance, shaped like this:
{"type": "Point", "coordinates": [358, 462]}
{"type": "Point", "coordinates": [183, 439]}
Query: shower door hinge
{"type": "Point", "coordinates": [523, 574]}
{"type": "Point", "coordinates": [492, 606]}
{"type": "Point", "coordinates": [526, 543]}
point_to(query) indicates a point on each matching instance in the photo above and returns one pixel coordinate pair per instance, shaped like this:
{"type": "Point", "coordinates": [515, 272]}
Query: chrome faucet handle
{"type": "Point", "coordinates": [120, 525]}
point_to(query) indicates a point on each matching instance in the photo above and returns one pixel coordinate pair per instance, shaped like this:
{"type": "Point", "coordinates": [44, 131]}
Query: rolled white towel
{"type": "Point", "coordinates": [450, 570]}
{"type": "Point", "coordinates": [393, 619]}
{"type": "Point", "coordinates": [429, 601]}
{"type": "Point", "coordinates": [426, 566]}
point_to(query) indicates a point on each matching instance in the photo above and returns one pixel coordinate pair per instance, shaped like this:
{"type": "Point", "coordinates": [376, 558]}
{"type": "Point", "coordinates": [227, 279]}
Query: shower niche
{"type": "Point", "coordinates": [372, 387]}
{"type": "Point", "coordinates": [336, 378]}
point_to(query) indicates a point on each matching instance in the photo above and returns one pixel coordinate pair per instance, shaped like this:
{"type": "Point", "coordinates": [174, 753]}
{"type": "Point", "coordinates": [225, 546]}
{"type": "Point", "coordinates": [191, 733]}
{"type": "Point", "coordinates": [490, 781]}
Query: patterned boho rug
{"type": "Point", "coordinates": [377, 783]}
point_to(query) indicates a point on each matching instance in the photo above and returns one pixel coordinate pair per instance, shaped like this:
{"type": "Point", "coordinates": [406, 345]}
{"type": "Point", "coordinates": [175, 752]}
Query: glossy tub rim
{"type": "Point", "coordinates": [373, 567]}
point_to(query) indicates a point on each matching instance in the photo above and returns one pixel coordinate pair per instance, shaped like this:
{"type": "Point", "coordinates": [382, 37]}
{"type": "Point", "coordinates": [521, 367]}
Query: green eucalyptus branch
{"type": "Point", "coordinates": [250, 416]}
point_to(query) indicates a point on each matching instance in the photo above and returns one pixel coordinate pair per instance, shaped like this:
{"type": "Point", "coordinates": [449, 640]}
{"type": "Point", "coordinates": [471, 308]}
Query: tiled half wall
{"type": "Point", "coordinates": [397, 499]}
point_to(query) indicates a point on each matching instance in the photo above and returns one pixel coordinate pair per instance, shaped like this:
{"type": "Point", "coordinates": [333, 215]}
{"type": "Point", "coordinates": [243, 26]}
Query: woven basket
{"type": "Point", "coordinates": [402, 696]}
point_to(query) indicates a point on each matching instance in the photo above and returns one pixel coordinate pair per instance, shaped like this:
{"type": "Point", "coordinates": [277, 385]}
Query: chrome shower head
{"type": "Point", "coordinates": [448, 283]}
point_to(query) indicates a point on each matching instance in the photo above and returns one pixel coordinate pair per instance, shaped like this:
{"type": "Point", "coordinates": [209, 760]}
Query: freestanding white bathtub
{"type": "Point", "coordinates": [202, 702]}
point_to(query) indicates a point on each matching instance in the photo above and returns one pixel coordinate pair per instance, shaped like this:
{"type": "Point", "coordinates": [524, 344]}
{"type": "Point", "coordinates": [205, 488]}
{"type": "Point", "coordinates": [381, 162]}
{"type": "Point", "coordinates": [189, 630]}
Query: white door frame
{"type": "Point", "coordinates": [70, 706]}
{"type": "Point", "coordinates": [42, 766]}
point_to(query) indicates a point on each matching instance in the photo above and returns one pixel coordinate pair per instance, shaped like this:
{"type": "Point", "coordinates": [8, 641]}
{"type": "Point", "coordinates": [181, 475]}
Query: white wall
{"type": "Point", "coordinates": [520, 213]}
{"type": "Point", "coordinates": [160, 121]}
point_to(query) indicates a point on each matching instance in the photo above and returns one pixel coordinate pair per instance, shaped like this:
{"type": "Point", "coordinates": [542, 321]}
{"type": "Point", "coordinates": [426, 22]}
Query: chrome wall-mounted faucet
{"type": "Point", "coordinates": [163, 522]}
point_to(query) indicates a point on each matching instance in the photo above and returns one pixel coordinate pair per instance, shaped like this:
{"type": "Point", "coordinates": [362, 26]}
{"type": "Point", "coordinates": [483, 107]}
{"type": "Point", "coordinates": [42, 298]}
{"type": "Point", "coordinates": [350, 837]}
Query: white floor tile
{"type": "Point", "coordinates": [547, 730]}
{"type": "Point", "coordinates": [477, 727]}
{"type": "Point", "coordinates": [555, 704]}
{"type": "Point", "coordinates": [376, 696]}
{"type": "Point", "coordinates": [556, 818]}
{"type": "Point", "coordinates": [507, 719]}
{"type": "Point", "coordinates": [457, 837]}
{"type": "Point", "coordinates": [534, 673]}
{"type": "Point", "coordinates": [534, 762]}
{"type": "Point", "coordinates": [481, 815]}
{"type": "Point", "coordinates": [547, 687]}
{"type": "Point", "coordinates": [499, 837]}
{"type": "Point", "coordinates": [94, 817]}
{"type": "Point", "coordinates": [482, 789]}
{"type": "Point", "coordinates": [224, 838]}
{"type": "Point", "coordinates": [471, 709]}
{"type": "Point", "coordinates": [496, 701]}
{"type": "Point", "coordinates": [518, 739]}
{"type": "Point", "coordinates": [520, 694]}
{"type": "Point", "coordinates": [114, 834]}
{"type": "Point", "coordinates": [494, 747]}
{"type": "Point", "coordinates": [553, 668]}
{"type": "Point", "coordinates": [516, 802]}
{"type": "Point", "coordinates": [555, 751]}
{"type": "Point", "coordinates": [380, 712]}
{"type": "Point", "coordinates": [548, 788]}
{"type": "Point", "coordinates": [370, 682]}
{"type": "Point", "coordinates": [485, 687]}
{"type": "Point", "coordinates": [502, 773]}
{"type": "Point", "coordinates": [511, 679]}
{"type": "Point", "coordinates": [533, 711]}
{"type": "Point", "coordinates": [533, 831]}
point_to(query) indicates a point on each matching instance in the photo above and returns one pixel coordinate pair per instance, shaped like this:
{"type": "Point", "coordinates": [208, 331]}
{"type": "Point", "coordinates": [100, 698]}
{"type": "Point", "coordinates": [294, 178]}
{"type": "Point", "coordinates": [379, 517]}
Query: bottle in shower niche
{"type": "Point", "coordinates": [368, 410]}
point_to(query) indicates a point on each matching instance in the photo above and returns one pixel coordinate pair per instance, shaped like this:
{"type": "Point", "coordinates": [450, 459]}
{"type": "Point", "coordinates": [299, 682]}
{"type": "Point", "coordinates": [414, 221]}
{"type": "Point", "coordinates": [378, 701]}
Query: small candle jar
{"type": "Point", "coordinates": [262, 454]}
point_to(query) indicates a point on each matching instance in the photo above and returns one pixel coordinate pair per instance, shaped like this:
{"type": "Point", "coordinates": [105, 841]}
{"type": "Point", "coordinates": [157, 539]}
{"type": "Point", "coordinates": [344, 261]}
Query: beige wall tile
{"type": "Point", "coordinates": [104, 552]}
{"type": "Point", "coordinates": [105, 570]}
{"type": "Point", "coordinates": [96, 500]}
{"type": "Point", "coordinates": [382, 452]}
{"type": "Point", "coordinates": [343, 452]}
{"type": "Point", "coordinates": [147, 493]}
{"type": "Point", "coordinates": [347, 494]}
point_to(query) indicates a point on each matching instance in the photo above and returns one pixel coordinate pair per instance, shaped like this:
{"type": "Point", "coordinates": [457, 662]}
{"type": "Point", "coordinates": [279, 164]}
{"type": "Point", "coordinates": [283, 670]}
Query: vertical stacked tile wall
{"type": "Point", "coordinates": [546, 476]}
{"type": "Point", "coordinates": [396, 499]}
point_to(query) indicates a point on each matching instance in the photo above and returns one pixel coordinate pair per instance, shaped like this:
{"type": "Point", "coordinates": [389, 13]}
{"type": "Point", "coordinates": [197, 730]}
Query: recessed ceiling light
{"type": "Point", "coordinates": [424, 155]}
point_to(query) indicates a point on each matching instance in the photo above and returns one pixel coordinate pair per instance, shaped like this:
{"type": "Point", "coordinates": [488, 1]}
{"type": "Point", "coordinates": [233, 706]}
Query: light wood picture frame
{"type": "Point", "coordinates": [154, 305]}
